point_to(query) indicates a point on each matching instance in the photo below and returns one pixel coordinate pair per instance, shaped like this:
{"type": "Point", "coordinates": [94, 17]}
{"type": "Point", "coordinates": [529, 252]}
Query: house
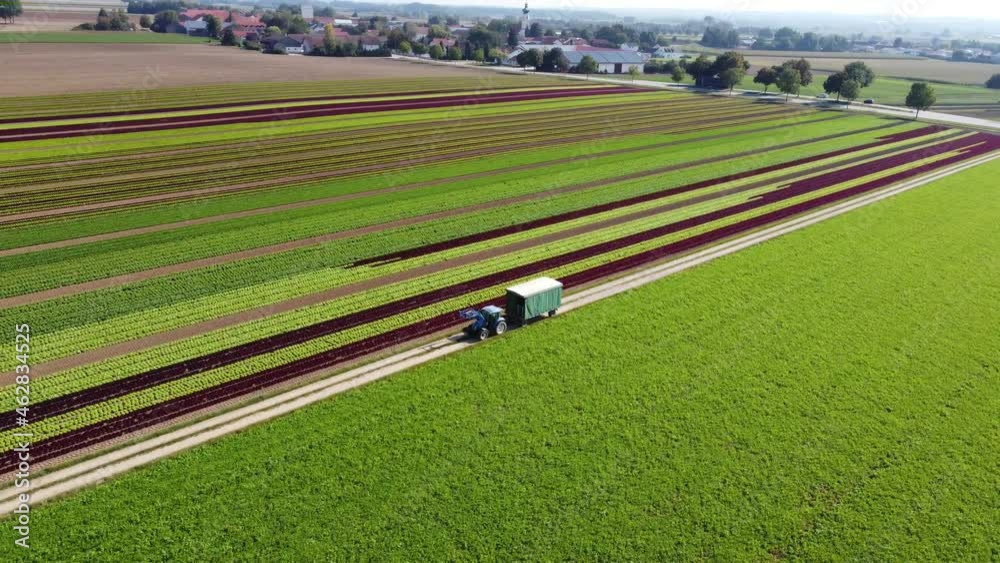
{"type": "Point", "coordinates": [309, 42]}
{"type": "Point", "coordinates": [611, 61]}
{"type": "Point", "coordinates": [198, 27]}
{"type": "Point", "coordinates": [667, 53]}
{"type": "Point", "coordinates": [420, 32]}
{"type": "Point", "coordinates": [284, 45]}
{"type": "Point", "coordinates": [186, 15]}
{"type": "Point", "coordinates": [443, 42]}
{"type": "Point", "coordinates": [369, 43]}
{"type": "Point", "coordinates": [240, 22]}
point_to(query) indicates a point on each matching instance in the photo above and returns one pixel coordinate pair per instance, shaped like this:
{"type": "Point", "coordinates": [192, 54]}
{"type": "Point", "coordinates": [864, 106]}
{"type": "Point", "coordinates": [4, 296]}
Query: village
{"type": "Point", "coordinates": [299, 31]}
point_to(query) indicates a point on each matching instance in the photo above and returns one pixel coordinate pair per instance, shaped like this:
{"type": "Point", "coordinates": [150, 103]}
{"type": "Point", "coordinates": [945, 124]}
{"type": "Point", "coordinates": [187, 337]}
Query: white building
{"type": "Point", "coordinates": [525, 22]}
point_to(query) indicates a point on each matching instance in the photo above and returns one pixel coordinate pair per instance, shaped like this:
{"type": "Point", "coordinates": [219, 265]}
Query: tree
{"type": "Point", "coordinates": [677, 73]}
{"type": "Point", "coordinates": [766, 76]}
{"type": "Point", "coordinates": [699, 69]}
{"type": "Point", "coordinates": [804, 69]}
{"type": "Point", "coordinates": [994, 82]}
{"type": "Point", "coordinates": [436, 52]}
{"type": "Point", "coordinates": [145, 21]}
{"type": "Point", "coordinates": [213, 27]}
{"type": "Point", "coordinates": [728, 60]}
{"type": "Point", "coordinates": [834, 83]}
{"type": "Point", "coordinates": [921, 97]}
{"type": "Point", "coordinates": [587, 65]}
{"type": "Point", "coordinates": [495, 55]}
{"type": "Point", "coordinates": [535, 30]}
{"type": "Point", "coordinates": [534, 58]}
{"type": "Point", "coordinates": [329, 40]}
{"type": "Point", "coordinates": [850, 90]}
{"type": "Point", "coordinates": [229, 38]}
{"type": "Point", "coordinates": [9, 9]}
{"type": "Point", "coordinates": [634, 72]}
{"type": "Point", "coordinates": [478, 55]}
{"type": "Point", "coordinates": [731, 77]}
{"type": "Point", "coordinates": [405, 47]}
{"type": "Point", "coordinates": [164, 19]}
{"type": "Point", "coordinates": [860, 73]}
{"type": "Point", "coordinates": [419, 49]}
{"type": "Point", "coordinates": [554, 60]}
{"type": "Point", "coordinates": [454, 54]}
{"type": "Point", "coordinates": [789, 81]}
{"type": "Point", "coordinates": [273, 31]}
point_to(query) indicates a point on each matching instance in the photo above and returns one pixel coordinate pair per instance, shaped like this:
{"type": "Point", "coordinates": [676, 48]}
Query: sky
{"type": "Point", "coordinates": [884, 9]}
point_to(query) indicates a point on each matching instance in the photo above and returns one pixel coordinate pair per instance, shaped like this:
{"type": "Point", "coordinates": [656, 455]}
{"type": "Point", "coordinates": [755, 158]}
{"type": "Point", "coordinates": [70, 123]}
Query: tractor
{"type": "Point", "coordinates": [525, 302]}
{"type": "Point", "coordinates": [486, 321]}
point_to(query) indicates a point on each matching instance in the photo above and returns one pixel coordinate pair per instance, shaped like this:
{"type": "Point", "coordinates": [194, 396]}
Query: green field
{"type": "Point", "coordinates": [96, 37]}
{"type": "Point", "coordinates": [885, 90]}
{"type": "Point", "coordinates": [829, 395]}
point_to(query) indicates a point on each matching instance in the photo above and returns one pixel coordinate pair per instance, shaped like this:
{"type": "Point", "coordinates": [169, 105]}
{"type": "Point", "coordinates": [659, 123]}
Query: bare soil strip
{"type": "Point", "coordinates": [153, 340]}
{"type": "Point", "coordinates": [78, 209]}
{"type": "Point", "coordinates": [252, 116]}
{"type": "Point", "coordinates": [283, 140]}
{"type": "Point", "coordinates": [88, 183]}
{"type": "Point", "coordinates": [152, 111]}
{"type": "Point", "coordinates": [334, 199]}
{"type": "Point", "coordinates": [76, 289]}
{"type": "Point", "coordinates": [95, 470]}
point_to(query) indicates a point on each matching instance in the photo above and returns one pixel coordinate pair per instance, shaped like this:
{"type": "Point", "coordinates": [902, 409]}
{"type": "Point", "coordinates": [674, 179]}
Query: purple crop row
{"type": "Point", "coordinates": [594, 210]}
{"type": "Point", "coordinates": [194, 366]}
{"type": "Point", "coordinates": [281, 114]}
{"type": "Point", "coordinates": [96, 394]}
{"type": "Point", "coordinates": [119, 113]}
{"type": "Point", "coordinates": [130, 422]}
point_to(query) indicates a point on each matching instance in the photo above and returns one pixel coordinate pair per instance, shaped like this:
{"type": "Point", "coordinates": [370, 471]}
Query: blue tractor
{"type": "Point", "coordinates": [525, 302]}
{"type": "Point", "coordinates": [486, 321]}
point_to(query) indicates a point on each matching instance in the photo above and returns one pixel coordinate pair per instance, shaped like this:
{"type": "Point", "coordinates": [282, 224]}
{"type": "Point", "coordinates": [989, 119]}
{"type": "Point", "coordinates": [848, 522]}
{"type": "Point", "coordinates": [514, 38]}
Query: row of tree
{"type": "Point", "coordinates": [116, 20]}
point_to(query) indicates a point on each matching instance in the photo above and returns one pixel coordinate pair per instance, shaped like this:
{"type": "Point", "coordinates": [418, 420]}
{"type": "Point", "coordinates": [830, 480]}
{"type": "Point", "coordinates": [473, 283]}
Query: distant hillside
{"type": "Point", "coordinates": [420, 9]}
{"type": "Point", "coordinates": [87, 6]}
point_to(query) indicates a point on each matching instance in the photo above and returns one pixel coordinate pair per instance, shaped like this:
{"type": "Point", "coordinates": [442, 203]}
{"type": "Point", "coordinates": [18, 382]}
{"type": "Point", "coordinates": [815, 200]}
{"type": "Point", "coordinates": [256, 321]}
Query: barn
{"type": "Point", "coordinates": [611, 61]}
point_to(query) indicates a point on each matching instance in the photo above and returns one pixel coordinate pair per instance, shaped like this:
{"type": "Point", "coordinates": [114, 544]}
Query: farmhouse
{"type": "Point", "coordinates": [285, 45]}
{"type": "Point", "coordinates": [611, 61]}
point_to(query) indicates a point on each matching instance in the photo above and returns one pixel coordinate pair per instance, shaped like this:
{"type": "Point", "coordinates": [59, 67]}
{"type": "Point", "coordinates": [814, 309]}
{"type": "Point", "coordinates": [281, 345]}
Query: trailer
{"type": "Point", "coordinates": [533, 299]}
{"type": "Point", "coordinates": [525, 301]}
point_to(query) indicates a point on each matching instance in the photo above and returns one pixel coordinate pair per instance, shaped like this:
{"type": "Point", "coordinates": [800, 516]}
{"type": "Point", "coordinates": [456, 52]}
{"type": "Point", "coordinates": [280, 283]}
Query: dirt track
{"type": "Point", "coordinates": [95, 470]}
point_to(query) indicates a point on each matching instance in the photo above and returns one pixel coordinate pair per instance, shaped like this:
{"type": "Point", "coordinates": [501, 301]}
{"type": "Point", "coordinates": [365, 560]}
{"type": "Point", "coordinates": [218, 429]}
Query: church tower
{"type": "Point", "coordinates": [524, 22]}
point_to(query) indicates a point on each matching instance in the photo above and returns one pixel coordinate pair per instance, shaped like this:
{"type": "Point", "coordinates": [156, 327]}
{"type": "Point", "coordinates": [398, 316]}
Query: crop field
{"type": "Point", "coordinates": [184, 258]}
{"type": "Point", "coordinates": [830, 392]}
{"type": "Point", "coordinates": [959, 99]}
{"type": "Point", "coordinates": [137, 71]}
{"type": "Point", "coordinates": [31, 36]}
{"type": "Point", "coordinates": [909, 69]}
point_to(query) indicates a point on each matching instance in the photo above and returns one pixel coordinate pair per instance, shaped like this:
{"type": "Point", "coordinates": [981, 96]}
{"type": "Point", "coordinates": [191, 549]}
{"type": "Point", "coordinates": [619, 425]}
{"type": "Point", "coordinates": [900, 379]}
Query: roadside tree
{"type": "Point", "coordinates": [766, 76]}
{"type": "Point", "coordinates": [789, 82]}
{"type": "Point", "coordinates": [921, 97]}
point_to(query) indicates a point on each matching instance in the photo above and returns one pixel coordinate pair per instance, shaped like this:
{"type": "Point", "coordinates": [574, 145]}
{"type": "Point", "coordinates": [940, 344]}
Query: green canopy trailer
{"type": "Point", "coordinates": [533, 299]}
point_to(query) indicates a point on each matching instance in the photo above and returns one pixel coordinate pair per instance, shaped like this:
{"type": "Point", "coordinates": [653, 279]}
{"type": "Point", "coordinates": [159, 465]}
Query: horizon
{"type": "Point", "coordinates": [898, 11]}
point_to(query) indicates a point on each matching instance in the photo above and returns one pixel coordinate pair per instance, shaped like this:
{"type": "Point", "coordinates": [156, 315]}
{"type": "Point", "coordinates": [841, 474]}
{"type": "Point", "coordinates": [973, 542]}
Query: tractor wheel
{"type": "Point", "coordinates": [552, 313]}
{"type": "Point", "coordinates": [484, 333]}
{"type": "Point", "coordinates": [501, 327]}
